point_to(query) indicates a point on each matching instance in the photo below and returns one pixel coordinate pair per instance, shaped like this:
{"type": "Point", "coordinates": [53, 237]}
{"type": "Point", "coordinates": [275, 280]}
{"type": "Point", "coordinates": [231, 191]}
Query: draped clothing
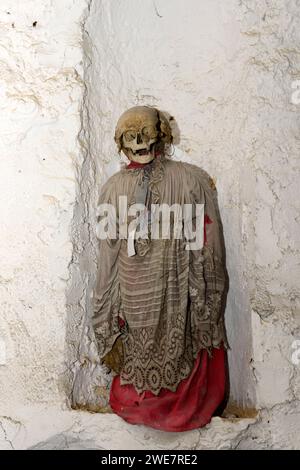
{"type": "Point", "coordinates": [160, 307]}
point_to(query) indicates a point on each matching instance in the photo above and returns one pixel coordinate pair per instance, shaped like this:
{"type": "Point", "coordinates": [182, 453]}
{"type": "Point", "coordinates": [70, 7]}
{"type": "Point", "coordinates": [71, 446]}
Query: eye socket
{"type": "Point", "coordinates": [130, 135]}
{"type": "Point", "coordinates": [149, 131]}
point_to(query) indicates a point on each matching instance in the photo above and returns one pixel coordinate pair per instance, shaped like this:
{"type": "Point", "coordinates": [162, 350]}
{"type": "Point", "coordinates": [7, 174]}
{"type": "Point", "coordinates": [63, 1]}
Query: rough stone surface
{"type": "Point", "coordinates": [41, 93]}
{"type": "Point", "coordinates": [225, 70]}
{"type": "Point", "coordinates": [47, 428]}
{"type": "Point", "coordinates": [53, 428]}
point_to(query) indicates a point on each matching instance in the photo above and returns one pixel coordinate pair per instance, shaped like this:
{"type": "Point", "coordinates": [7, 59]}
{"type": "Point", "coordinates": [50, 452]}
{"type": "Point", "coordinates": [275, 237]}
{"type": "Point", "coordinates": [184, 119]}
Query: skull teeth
{"type": "Point", "coordinates": [142, 152]}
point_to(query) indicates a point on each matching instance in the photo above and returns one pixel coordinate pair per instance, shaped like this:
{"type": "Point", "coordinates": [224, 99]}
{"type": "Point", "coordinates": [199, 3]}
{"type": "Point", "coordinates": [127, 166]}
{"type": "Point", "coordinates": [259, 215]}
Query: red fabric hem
{"type": "Point", "coordinates": [191, 406]}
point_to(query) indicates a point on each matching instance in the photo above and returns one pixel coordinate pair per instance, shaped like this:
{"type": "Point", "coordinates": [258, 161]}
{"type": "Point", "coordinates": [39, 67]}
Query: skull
{"type": "Point", "coordinates": [141, 132]}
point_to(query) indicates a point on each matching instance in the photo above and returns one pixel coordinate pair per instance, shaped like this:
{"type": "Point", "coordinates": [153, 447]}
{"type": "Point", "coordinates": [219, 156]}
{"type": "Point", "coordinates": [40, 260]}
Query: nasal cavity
{"type": "Point", "coordinates": [139, 139]}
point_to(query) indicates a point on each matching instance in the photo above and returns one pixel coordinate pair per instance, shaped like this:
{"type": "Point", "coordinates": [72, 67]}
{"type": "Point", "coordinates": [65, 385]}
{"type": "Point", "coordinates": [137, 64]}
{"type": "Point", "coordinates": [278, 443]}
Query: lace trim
{"type": "Point", "coordinates": [164, 362]}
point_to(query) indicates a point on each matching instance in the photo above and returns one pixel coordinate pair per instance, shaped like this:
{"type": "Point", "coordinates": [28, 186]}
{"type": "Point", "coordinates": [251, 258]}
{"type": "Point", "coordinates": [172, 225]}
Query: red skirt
{"type": "Point", "coordinates": [191, 406]}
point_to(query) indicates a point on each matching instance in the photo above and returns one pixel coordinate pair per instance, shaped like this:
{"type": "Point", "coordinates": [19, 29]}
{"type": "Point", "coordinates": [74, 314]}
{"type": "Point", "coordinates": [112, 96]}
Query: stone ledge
{"type": "Point", "coordinates": [50, 428]}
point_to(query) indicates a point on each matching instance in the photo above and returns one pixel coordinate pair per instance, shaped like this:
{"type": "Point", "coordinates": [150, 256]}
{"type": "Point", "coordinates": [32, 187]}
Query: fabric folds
{"type": "Point", "coordinates": [167, 298]}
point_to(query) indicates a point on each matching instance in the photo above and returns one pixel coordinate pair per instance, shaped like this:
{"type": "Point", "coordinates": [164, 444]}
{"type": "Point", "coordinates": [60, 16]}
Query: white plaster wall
{"type": "Point", "coordinates": [41, 90]}
{"type": "Point", "coordinates": [225, 71]}
{"type": "Point", "coordinates": [272, 139]}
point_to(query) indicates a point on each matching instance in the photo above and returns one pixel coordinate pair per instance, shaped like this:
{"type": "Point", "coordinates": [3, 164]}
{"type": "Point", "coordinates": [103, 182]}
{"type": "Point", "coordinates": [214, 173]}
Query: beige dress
{"type": "Point", "coordinates": [168, 297]}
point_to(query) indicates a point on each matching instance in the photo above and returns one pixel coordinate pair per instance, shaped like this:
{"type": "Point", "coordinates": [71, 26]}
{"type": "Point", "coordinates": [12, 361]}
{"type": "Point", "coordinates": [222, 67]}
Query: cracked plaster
{"type": "Point", "coordinates": [226, 74]}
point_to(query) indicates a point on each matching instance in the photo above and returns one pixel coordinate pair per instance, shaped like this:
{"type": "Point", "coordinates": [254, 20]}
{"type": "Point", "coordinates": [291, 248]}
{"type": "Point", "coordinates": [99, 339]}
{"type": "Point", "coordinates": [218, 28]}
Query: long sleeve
{"type": "Point", "coordinates": [107, 291]}
{"type": "Point", "coordinates": [207, 279]}
{"type": "Point", "coordinates": [214, 268]}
